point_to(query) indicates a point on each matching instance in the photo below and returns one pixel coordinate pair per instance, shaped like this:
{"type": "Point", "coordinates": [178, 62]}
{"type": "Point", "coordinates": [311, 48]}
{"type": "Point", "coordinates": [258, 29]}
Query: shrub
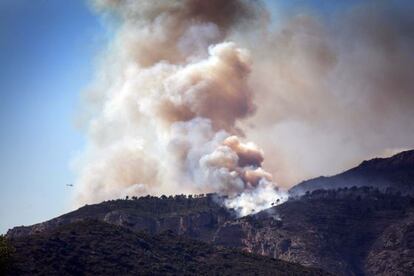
{"type": "Point", "coordinates": [6, 255]}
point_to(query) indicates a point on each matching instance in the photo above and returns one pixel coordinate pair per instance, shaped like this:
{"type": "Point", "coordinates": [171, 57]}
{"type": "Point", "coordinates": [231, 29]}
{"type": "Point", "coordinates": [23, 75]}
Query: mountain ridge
{"type": "Point", "coordinates": [361, 229]}
{"type": "Point", "coordinates": [395, 172]}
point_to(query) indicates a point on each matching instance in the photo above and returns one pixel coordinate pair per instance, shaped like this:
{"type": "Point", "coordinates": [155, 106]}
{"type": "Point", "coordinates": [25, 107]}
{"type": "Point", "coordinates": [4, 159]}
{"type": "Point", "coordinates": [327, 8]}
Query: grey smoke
{"type": "Point", "coordinates": [186, 85]}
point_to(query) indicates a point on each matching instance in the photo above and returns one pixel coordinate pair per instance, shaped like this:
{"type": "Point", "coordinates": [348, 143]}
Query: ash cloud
{"type": "Point", "coordinates": [184, 88]}
{"type": "Point", "coordinates": [333, 91]}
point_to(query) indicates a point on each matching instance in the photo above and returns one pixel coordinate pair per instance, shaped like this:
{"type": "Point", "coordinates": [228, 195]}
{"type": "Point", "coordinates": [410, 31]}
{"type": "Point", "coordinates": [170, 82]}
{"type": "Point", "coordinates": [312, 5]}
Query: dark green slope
{"type": "Point", "coordinates": [93, 247]}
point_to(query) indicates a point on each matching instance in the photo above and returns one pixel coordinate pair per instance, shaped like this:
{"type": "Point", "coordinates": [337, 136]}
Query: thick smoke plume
{"type": "Point", "coordinates": [173, 89]}
{"type": "Point", "coordinates": [184, 86]}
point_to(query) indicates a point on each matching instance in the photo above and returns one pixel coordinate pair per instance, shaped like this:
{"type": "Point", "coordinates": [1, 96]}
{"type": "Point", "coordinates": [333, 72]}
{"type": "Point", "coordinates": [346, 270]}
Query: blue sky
{"type": "Point", "coordinates": [47, 51]}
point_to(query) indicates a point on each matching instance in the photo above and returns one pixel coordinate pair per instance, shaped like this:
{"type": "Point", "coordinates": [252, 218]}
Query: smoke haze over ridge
{"type": "Point", "coordinates": [186, 86]}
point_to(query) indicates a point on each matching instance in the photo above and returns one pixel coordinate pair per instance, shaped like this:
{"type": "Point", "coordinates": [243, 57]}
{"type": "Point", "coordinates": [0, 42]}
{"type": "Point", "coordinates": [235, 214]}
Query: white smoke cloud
{"type": "Point", "coordinates": [168, 98]}
{"type": "Point", "coordinates": [186, 85]}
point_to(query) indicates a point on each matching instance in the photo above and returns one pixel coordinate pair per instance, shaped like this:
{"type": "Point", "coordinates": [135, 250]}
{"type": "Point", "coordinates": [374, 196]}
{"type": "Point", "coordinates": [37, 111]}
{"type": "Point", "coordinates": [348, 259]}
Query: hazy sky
{"type": "Point", "coordinates": [47, 52]}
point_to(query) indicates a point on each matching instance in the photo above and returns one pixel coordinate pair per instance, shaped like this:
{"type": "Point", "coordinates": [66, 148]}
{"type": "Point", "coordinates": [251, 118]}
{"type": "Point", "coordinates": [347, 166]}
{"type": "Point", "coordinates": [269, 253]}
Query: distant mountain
{"type": "Point", "coordinates": [395, 173]}
{"type": "Point", "coordinates": [97, 248]}
{"type": "Point", "coordinates": [360, 223]}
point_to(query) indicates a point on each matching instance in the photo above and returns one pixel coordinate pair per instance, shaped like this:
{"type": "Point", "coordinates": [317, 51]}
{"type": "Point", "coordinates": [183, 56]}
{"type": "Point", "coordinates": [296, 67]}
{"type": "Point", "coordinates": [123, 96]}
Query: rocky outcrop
{"type": "Point", "coordinates": [344, 232]}
{"type": "Point", "coordinates": [393, 252]}
{"type": "Point", "coordinates": [195, 217]}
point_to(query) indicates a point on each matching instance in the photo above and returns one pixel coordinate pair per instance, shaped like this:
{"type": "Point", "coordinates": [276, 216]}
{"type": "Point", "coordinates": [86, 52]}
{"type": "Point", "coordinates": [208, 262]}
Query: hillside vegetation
{"type": "Point", "coordinates": [97, 248]}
